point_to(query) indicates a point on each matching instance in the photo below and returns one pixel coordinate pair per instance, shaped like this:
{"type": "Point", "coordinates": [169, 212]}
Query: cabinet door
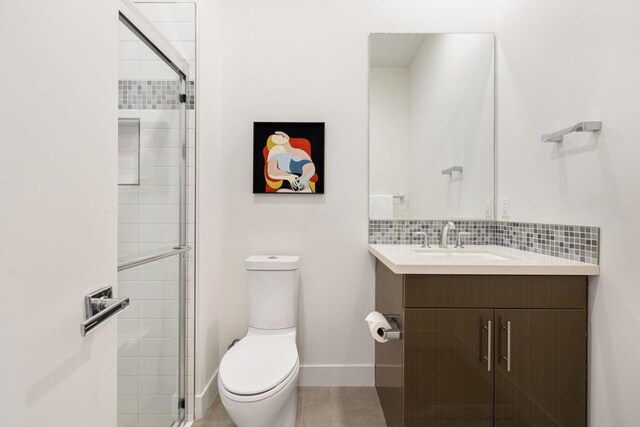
{"type": "Point", "coordinates": [544, 382]}
{"type": "Point", "coordinates": [448, 367]}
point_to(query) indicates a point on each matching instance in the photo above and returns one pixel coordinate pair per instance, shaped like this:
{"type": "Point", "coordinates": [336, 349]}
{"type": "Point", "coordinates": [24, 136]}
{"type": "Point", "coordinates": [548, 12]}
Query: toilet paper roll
{"type": "Point", "coordinates": [377, 325]}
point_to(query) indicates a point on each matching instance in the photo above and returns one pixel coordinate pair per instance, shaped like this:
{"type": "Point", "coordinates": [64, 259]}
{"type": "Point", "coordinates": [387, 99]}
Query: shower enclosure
{"type": "Point", "coordinates": [152, 234]}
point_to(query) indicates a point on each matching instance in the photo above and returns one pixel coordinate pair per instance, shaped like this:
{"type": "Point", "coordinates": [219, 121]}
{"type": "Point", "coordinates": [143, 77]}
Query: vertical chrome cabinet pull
{"type": "Point", "coordinates": [488, 357]}
{"type": "Point", "coordinates": [508, 357]}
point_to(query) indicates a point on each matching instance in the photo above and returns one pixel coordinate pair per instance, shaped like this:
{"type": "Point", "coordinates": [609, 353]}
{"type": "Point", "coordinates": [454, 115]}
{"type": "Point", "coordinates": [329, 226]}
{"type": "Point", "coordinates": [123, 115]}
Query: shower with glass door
{"type": "Point", "coordinates": [153, 251]}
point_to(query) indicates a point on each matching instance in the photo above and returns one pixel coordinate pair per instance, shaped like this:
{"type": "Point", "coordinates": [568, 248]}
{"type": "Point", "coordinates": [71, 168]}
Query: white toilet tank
{"type": "Point", "coordinates": [272, 282]}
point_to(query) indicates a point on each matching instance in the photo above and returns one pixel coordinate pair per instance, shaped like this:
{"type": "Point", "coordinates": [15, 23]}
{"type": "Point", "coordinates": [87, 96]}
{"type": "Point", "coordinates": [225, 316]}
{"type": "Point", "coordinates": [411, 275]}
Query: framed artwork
{"type": "Point", "coordinates": [288, 157]}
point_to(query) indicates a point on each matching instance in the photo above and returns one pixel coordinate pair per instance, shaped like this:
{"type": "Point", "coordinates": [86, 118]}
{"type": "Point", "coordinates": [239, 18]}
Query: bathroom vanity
{"type": "Point", "coordinates": [486, 341]}
{"type": "Point", "coordinates": [491, 335]}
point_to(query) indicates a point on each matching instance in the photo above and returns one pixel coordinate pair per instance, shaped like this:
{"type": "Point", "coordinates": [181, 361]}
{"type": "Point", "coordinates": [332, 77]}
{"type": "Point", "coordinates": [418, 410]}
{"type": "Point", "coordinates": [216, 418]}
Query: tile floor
{"type": "Point", "coordinates": [319, 407]}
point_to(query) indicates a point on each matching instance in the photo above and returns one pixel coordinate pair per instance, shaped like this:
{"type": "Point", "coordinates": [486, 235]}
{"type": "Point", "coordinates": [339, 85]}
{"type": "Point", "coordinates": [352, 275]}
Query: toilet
{"type": "Point", "coordinates": [258, 376]}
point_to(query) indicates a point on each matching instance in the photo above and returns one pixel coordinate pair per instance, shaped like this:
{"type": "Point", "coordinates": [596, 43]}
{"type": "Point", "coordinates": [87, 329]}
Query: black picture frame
{"type": "Point", "coordinates": [288, 157]}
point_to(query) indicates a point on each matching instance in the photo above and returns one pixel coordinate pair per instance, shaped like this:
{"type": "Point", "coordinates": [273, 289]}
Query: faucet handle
{"type": "Point", "coordinates": [460, 234]}
{"type": "Point", "coordinates": [425, 236]}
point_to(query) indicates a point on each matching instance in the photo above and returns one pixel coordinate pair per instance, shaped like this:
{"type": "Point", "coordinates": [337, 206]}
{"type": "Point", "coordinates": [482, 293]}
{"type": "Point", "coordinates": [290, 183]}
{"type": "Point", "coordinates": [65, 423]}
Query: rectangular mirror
{"type": "Point", "coordinates": [431, 126]}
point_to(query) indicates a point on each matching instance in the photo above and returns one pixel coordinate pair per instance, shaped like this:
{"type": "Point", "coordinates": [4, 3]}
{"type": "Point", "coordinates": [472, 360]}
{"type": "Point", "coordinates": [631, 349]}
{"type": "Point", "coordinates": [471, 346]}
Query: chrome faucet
{"type": "Point", "coordinates": [449, 225]}
{"type": "Point", "coordinates": [425, 241]}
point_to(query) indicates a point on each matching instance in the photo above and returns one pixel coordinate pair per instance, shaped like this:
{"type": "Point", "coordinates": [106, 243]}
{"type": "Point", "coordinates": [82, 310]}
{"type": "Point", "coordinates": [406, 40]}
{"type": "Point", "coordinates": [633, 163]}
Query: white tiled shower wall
{"type": "Point", "coordinates": [148, 219]}
{"type": "Point", "coordinates": [176, 22]}
{"type": "Point", "coordinates": [148, 330]}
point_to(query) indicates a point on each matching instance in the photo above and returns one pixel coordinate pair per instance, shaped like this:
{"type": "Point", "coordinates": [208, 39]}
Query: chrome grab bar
{"type": "Point", "coordinates": [99, 306]}
{"type": "Point", "coordinates": [154, 257]}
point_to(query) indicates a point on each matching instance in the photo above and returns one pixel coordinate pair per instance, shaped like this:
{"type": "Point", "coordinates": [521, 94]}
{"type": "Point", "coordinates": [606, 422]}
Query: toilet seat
{"type": "Point", "coordinates": [259, 364]}
{"type": "Point", "coordinates": [280, 389]}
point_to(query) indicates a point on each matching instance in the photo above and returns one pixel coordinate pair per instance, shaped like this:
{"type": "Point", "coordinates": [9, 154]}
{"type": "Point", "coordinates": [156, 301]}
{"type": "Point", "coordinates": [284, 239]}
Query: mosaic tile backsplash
{"type": "Point", "coordinates": [578, 243]}
{"type": "Point", "coordinates": [401, 232]}
{"type": "Point", "coordinates": [153, 95]}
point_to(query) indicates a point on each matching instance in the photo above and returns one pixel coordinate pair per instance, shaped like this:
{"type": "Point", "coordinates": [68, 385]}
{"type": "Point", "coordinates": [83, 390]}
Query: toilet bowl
{"type": "Point", "coordinates": [258, 376]}
{"type": "Point", "coordinates": [258, 380]}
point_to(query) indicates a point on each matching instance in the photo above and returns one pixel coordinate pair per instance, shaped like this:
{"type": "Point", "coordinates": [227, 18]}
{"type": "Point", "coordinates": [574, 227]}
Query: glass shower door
{"type": "Point", "coordinates": [151, 234]}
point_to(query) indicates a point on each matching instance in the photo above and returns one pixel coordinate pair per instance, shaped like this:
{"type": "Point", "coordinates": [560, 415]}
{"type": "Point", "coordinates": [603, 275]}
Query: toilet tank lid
{"type": "Point", "coordinates": [272, 262]}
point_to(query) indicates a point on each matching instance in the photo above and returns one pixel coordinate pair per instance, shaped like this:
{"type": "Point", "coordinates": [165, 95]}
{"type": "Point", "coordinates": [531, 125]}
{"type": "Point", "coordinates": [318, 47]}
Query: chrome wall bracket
{"type": "Point", "coordinates": [395, 333]}
{"type": "Point", "coordinates": [579, 127]}
{"type": "Point", "coordinates": [99, 306]}
{"type": "Point", "coordinates": [451, 170]}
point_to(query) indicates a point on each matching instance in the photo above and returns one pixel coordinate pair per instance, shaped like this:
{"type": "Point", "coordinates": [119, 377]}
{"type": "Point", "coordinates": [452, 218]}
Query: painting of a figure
{"type": "Point", "coordinates": [288, 157]}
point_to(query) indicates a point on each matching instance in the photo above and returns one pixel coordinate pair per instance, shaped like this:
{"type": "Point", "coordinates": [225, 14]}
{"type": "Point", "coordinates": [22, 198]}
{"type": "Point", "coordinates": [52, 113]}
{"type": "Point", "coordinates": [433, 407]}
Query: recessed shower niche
{"type": "Point", "coordinates": [128, 151]}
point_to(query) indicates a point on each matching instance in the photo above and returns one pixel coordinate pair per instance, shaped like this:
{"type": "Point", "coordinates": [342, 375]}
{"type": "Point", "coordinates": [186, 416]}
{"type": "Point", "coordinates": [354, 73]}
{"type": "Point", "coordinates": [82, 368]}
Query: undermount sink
{"type": "Point", "coordinates": [464, 253]}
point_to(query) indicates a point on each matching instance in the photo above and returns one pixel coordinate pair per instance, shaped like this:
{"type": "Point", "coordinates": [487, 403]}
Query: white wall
{"type": "Point", "coordinates": [300, 61]}
{"type": "Point", "coordinates": [389, 114]}
{"type": "Point", "coordinates": [209, 204]}
{"type": "Point", "coordinates": [560, 63]}
{"type": "Point", "coordinates": [58, 219]}
{"type": "Point", "coordinates": [452, 99]}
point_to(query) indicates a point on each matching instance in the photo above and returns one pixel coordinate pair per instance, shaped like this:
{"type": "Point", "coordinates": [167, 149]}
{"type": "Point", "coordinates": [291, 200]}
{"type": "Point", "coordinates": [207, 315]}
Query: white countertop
{"type": "Point", "coordinates": [404, 259]}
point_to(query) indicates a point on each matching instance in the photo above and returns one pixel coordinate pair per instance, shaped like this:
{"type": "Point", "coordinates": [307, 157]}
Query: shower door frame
{"type": "Point", "coordinates": [141, 27]}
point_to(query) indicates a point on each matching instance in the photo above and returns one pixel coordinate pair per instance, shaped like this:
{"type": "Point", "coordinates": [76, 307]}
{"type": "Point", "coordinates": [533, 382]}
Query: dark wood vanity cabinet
{"type": "Point", "coordinates": [445, 381]}
{"type": "Point", "coordinates": [507, 351]}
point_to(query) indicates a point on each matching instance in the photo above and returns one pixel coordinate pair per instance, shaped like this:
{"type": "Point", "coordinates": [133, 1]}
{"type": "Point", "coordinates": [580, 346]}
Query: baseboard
{"type": "Point", "coordinates": [336, 376]}
{"type": "Point", "coordinates": [205, 399]}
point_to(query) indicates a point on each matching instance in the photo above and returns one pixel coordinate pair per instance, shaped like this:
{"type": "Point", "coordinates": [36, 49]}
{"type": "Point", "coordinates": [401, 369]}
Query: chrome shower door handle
{"type": "Point", "coordinates": [99, 306]}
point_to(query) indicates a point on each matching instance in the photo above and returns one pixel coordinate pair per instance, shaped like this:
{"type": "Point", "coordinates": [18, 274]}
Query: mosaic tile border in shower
{"type": "Point", "coordinates": [574, 242]}
{"type": "Point", "coordinates": [191, 95]}
{"type": "Point", "coordinates": [153, 95]}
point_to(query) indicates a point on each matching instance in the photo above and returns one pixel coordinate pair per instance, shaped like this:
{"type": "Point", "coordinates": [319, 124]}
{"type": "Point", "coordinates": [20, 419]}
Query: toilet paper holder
{"type": "Point", "coordinates": [395, 333]}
